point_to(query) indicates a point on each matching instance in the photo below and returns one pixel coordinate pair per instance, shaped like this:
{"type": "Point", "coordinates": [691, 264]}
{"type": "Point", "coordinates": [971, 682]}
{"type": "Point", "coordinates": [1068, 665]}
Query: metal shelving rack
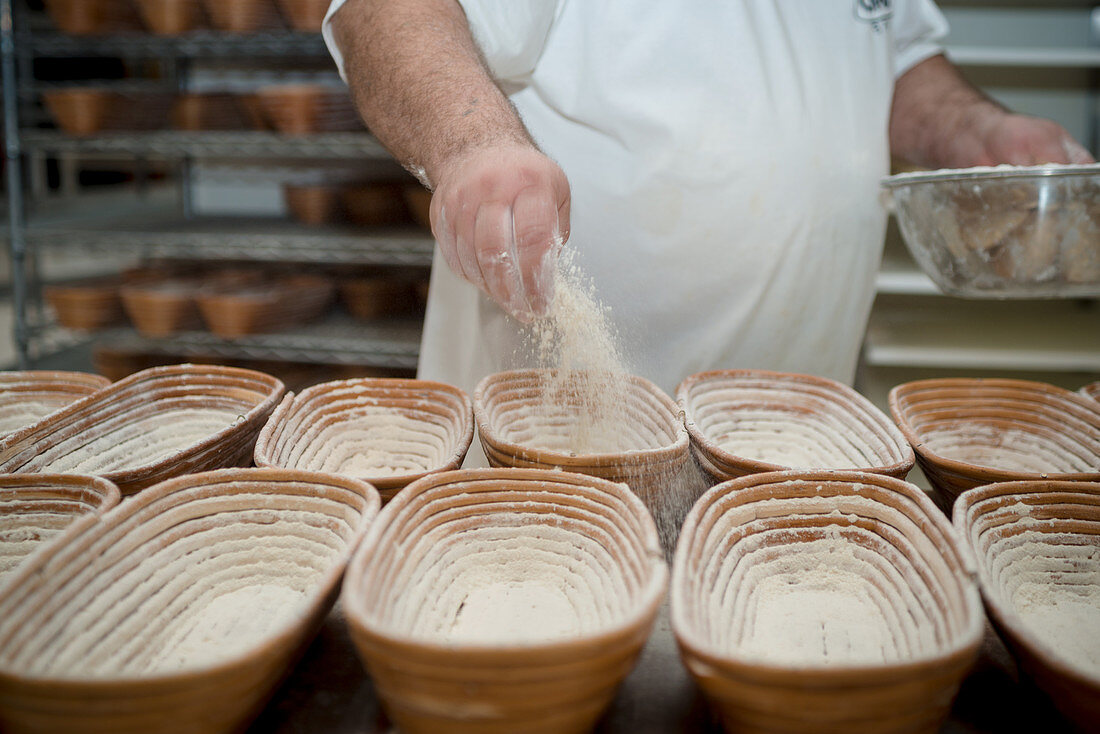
{"type": "Point", "coordinates": [157, 231]}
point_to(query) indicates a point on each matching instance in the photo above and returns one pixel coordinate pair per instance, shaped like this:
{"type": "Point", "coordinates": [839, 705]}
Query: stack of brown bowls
{"type": "Point", "coordinates": [27, 397]}
{"type": "Point", "coordinates": [35, 508]}
{"type": "Point", "coordinates": [158, 423]}
{"type": "Point", "coordinates": [824, 601]}
{"type": "Point", "coordinates": [242, 16]}
{"type": "Point", "coordinates": [750, 421]}
{"type": "Point", "coordinates": [305, 15]}
{"type": "Point", "coordinates": [389, 432]}
{"type": "Point", "coordinates": [969, 432]}
{"type": "Point", "coordinates": [1037, 546]}
{"type": "Point", "coordinates": [208, 111]}
{"type": "Point", "coordinates": [170, 17]}
{"type": "Point", "coordinates": [181, 609]}
{"type": "Point", "coordinates": [500, 601]}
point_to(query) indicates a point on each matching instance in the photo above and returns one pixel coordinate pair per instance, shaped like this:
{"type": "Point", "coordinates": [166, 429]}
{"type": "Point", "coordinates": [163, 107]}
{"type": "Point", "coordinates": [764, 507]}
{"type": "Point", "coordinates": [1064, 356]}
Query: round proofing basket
{"type": "Point", "coordinates": [778, 420]}
{"type": "Point", "coordinates": [26, 397]}
{"type": "Point", "coordinates": [156, 424]}
{"type": "Point", "coordinates": [505, 403]}
{"type": "Point", "coordinates": [389, 432]}
{"type": "Point", "coordinates": [787, 586]}
{"type": "Point", "coordinates": [181, 609]}
{"type": "Point", "coordinates": [35, 508]}
{"type": "Point", "coordinates": [969, 432]}
{"type": "Point", "coordinates": [1037, 546]}
{"type": "Point", "coordinates": [445, 541]}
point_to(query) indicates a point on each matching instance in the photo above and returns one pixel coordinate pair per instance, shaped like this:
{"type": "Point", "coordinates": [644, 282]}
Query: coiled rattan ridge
{"type": "Point", "coordinates": [27, 397]}
{"type": "Point", "coordinates": [155, 424]}
{"type": "Point", "coordinates": [37, 508]}
{"type": "Point", "coordinates": [448, 543]}
{"type": "Point", "coordinates": [969, 432]}
{"type": "Point", "coordinates": [389, 432]}
{"type": "Point", "coordinates": [749, 421]}
{"type": "Point", "coordinates": [181, 609]}
{"type": "Point", "coordinates": [1037, 548]}
{"type": "Point", "coordinates": [824, 600]}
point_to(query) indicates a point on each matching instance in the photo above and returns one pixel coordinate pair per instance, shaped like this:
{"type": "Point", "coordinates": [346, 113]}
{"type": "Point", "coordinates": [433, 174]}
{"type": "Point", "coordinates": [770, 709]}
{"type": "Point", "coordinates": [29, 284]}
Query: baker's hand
{"type": "Point", "coordinates": [1021, 140]}
{"type": "Point", "coordinates": [500, 215]}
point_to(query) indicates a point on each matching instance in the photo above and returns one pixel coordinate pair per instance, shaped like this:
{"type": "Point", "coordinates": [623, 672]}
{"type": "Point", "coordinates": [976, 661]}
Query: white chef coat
{"type": "Point", "coordinates": [724, 160]}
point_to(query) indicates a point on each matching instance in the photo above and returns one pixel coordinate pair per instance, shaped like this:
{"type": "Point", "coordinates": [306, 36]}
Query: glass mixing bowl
{"type": "Point", "coordinates": [1003, 232]}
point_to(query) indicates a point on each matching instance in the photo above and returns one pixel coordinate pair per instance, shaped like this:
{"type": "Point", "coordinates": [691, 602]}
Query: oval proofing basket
{"type": "Point", "coordinates": [181, 609]}
{"type": "Point", "coordinates": [26, 397]}
{"type": "Point", "coordinates": [824, 601]}
{"type": "Point", "coordinates": [1038, 554]}
{"type": "Point", "coordinates": [750, 421]}
{"type": "Point", "coordinates": [517, 430]}
{"type": "Point", "coordinates": [389, 432]}
{"type": "Point", "coordinates": [969, 432]}
{"type": "Point", "coordinates": [504, 600]}
{"type": "Point", "coordinates": [35, 508]}
{"type": "Point", "coordinates": [155, 424]}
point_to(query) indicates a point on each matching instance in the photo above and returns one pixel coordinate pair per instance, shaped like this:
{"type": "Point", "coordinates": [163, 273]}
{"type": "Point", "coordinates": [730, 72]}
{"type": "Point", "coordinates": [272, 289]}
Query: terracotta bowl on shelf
{"type": "Point", "coordinates": [312, 204]}
{"type": "Point", "coordinates": [303, 109]}
{"type": "Point", "coordinates": [37, 508]}
{"type": "Point", "coordinates": [504, 600]}
{"type": "Point", "coordinates": [523, 421]}
{"type": "Point", "coordinates": [419, 201]}
{"type": "Point", "coordinates": [305, 15]}
{"type": "Point", "coordinates": [968, 432]}
{"type": "Point", "coordinates": [208, 111]}
{"type": "Point", "coordinates": [180, 610]}
{"type": "Point", "coordinates": [1037, 545]}
{"type": "Point", "coordinates": [251, 309]}
{"type": "Point", "coordinates": [749, 421]}
{"type": "Point", "coordinates": [1092, 390]}
{"type": "Point", "coordinates": [156, 424]}
{"type": "Point", "coordinates": [242, 16]}
{"type": "Point", "coordinates": [162, 308]}
{"type": "Point", "coordinates": [86, 305]}
{"type": "Point", "coordinates": [27, 397]}
{"type": "Point", "coordinates": [824, 601]}
{"type": "Point", "coordinates": [375, 204]}
{"type": "Point", "coordinates": [389, 432]}
{"type": "Point", "coordinates": [80, 110]}
{"type": "Point", "coordinates": [170, 17]}
{"type": "Point", "coordinates": [374, 297]}
{"type": "Point", "coordinates": [91, 17]}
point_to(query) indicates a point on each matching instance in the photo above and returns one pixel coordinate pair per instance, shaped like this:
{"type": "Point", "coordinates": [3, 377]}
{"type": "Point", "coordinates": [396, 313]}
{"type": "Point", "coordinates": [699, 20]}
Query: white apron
{"type": "Point", "coordinates": [724, 160]}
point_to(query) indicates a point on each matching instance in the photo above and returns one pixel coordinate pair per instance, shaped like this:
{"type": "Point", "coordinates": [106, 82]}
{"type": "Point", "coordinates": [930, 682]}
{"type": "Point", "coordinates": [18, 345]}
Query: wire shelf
{"type": "Point", "coordinates": [173, 144]}
{"type": "Point", "coordinates": [198, 44]}
{"type": "Point", "coordinates": [339, 340]}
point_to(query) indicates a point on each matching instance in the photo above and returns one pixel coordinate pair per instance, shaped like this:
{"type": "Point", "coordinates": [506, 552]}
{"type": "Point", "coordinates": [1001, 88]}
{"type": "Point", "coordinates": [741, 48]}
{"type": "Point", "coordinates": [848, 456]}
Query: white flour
{"type": "Point", "coordinates": [143, 441]}
{"type": "Point", "coordinates": [1055, 590]}
{"type": "Point", "coordinates": [16, 415]}
{"type": "Point", "coordinates": [1010, 450]}
{"type": "Point", "coordinates": [374, 441]}
{"type": "Point", "coordinates": [514, 612]}
{"type": "Point", "coordinates": [584, 405]}
{"type": "Point", "coordinates": [819, 605]}
{"type": "Point", "coordinates": [786, 439]}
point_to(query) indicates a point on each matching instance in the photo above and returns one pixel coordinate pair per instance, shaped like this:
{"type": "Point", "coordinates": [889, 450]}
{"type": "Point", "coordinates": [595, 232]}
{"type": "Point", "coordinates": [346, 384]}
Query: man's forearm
{"type": "Point", "coordinates": [418, 80]}
{"type": "Point", "coordinates": [940, 120]}
{"type": "Point", "coordinates": [938, 117]}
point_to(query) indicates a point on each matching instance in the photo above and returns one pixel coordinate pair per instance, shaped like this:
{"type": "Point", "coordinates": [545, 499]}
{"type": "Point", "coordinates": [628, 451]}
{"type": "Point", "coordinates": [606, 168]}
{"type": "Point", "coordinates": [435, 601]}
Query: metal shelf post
{"type": "Point", "coordinates": [13, 153]}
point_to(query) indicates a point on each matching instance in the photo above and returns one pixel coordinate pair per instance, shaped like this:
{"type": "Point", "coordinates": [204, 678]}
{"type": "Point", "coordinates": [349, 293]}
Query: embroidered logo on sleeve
{"type": "Point", "coordinates": [875, 12]}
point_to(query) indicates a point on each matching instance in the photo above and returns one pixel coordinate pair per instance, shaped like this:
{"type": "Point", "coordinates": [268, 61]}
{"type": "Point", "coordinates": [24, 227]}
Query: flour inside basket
{"type": "Point", "coordinates": [821, 603]}
{"type": "Point", "coordinates": [144, 441]}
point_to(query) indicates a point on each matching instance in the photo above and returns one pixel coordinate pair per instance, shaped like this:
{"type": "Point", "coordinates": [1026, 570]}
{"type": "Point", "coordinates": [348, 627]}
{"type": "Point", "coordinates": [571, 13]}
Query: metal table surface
{"type": "Point", "coordinates": [329, 693]}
